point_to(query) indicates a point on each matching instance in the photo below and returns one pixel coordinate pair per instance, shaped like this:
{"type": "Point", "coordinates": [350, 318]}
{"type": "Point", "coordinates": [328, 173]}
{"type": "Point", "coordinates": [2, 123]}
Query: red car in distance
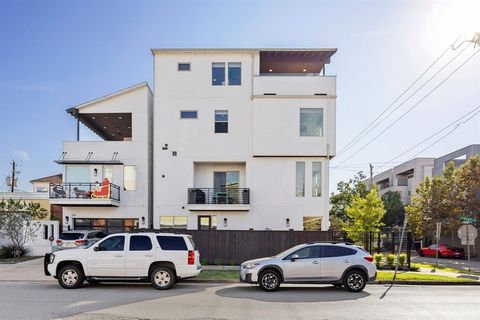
{"type": "Point", "coordinates": [444, 251]}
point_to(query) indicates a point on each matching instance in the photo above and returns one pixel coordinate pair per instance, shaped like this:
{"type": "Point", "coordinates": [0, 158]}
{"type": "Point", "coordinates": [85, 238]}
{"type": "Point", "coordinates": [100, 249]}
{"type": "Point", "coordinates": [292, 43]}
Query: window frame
{"type": "Point", "coordinates": [297, 163]}
{"type": "Point", "coordinates": [228, 73]}
{"type": "Point", "coordinates": [184, 63]}
{"type": "Point", "coordinates": [289, 257]}
{"type": "Point", "coordinates": [189, 118]}
{"type": "Point", "coordinates": [315, 194]}
{"type": "Point", "coordinates": [174, 225]}
{"type": "Point", "coordinates": [224, 74]}
{"type": "Point", "coordinates": [321, 129]}
{"type": "Point", "coordinates": [220, 121]}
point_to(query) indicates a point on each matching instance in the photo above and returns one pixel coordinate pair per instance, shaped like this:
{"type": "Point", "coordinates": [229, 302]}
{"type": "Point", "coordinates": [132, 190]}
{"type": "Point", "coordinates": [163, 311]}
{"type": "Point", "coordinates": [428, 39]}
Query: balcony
{"type": "Point", "coordinates": [85, 194]}
{"type": "Point", "coordinates": [223, 199]}
{"type": "Point", "coordinates": [270, 86]}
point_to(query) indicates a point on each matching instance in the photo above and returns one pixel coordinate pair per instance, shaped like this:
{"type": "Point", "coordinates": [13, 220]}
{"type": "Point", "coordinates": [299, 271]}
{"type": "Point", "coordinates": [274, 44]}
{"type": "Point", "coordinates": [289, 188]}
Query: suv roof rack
{"type": "Point", "coordinates": [148, 230]}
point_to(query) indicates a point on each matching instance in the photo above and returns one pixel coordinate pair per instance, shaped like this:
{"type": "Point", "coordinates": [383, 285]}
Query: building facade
{"type": "Point", "coordinates": [107, 184]}
{"type": "Point", "coordinates": [458, 157]}
{"type": "Point", "coordinates": [242, 138]}
{"type": "Point", "coordinates": [404, 178]}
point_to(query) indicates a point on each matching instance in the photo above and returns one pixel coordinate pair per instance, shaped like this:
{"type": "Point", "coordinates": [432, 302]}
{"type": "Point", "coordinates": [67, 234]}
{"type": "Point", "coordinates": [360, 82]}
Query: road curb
{"type": "Point", "coordinates": [417, 283]}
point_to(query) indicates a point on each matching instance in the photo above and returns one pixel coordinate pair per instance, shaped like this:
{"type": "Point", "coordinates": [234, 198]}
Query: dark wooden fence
{"type": "Point", "coordinates": [233, 247]}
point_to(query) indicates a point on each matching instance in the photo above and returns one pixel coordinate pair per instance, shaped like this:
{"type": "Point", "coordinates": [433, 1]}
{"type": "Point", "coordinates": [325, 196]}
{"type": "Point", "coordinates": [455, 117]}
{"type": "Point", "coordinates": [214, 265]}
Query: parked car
{"type": "Point", "coordinates": [340, 264]}
{"type": "Point", "coordinates": [161, 258]}
{"type": "Point", "coordinates": [78, 238]}
{"type": "Point", "coordinates": [444, 251]}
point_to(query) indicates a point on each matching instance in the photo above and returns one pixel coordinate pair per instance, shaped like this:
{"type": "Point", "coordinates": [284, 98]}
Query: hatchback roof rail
{"type": "Point", "coordinates": [333, 242]}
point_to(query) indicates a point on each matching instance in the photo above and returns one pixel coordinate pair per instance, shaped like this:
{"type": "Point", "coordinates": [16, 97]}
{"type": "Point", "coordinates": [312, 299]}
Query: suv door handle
{"type": "Point", "coordinates": [315, 262]}
{"type": "Point", "coordinates": [118, 255]}
{"type": "Point", "coordinates": [149, 255]}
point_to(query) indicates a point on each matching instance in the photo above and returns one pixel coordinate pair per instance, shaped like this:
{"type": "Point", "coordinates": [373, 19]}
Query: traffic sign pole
{"type": "Point", "coordinates": [468, 250]}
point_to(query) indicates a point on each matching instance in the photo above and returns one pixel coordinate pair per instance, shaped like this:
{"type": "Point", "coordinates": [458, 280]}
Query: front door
{"type": "Point", "coordinates": [207, 222]}
{"type": "Point", "coordinates": [335, 260]}
{"type": "Point", "coordinates": [109, 260]}
{"type": "Point", "coordinates": [140, 255]}
{"type": "Point", "coordinates": [305, 267]}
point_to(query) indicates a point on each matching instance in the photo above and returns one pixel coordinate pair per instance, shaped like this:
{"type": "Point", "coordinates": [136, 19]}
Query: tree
{"type": "Point", "coordinates": [365, 215]}
{"type": "Point", "coordinates": [394, 209]}
{"type": "Point", "coordinates": [467, 185]}
{"type": "Point", "coordinates": [340, 201]}
{"type": "Point", "coordinates": [16, 222]}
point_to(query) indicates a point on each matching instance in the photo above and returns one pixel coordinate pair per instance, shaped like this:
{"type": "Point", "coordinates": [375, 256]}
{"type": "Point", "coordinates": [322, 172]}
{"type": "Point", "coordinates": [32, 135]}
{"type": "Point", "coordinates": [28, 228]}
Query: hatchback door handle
{"type": "Point", "coordinates": [315, 262]}
{"type": "Point", "coordinates": [346, 261]}
{"type": "Point", "coordinates": [118, 255]}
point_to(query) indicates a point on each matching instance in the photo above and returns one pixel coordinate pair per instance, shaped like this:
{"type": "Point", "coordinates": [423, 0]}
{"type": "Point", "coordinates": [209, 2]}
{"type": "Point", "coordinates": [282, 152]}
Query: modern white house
{"type": "Point", "coordinates": [404, 178]}
{"type": "Point", "coordinates": [233, 139]}
{"type": "Point", "coordinates": [107, 184]}
{"type": "Point", "coordinates": [242, 138]}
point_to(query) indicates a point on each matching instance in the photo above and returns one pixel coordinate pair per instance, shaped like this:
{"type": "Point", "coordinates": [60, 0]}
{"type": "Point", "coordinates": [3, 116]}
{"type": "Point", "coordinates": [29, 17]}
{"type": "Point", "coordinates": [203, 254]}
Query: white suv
{"type": "Point", "coordinates": [336, 263]}
{"type": "Point", "coordinates": [162, 258]}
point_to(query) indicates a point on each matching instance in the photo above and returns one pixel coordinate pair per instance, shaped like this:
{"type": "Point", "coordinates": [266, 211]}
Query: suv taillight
{"type": "Point", "coordinates": [191, 257]}
{"type": "Point", "coordinates": [80, 242]}
{"type": "Point", "coordinates": [369, 258]}
{"type": "Point", "coordinates": [59, 242]}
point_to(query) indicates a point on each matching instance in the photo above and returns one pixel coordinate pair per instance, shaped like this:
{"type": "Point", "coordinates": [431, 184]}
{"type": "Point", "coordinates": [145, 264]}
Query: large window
{"type": "Point", "coordinates": [108, 172]}
{"type": "Point", "coordinates": [107, 226]}
{"type": "Point", "coordinates": [129, 178]}
{"type": "Point", "coordinates": [311, 122]}
{"type": "Point", "coordinates": [226, 179]}
{"type": "Point", "coordinates": [316, 179]}
{"type": "Point", "coordinates": [234, 73]}
{"type": "Point", "coordinates": [221, 121]}
{"type": "Point", "coordinates": [300, 179]}
{"type": "Point", "coordinates": [77, 173]}
{"type": "Point", "coordinates": [312, 223]}
{"type": "Point", "coordinates": [173, 222]}
{"type": "Point", "coordinates": [218, 74]}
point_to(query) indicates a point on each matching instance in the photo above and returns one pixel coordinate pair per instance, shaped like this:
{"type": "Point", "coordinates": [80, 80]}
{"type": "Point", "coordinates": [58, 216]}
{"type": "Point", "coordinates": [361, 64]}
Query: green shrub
{"type": "Point", "coordinates": [414, 267]}
{"type": "Point", "coordinates": [218, 262]}
{"type": "Point", "coordinates": [6, 252]}
{"type": "Point", "coordinates": [378, 257]}
{"type": "Point", "coordinates": [402, 259]}
{"type": "Point", "coordinates": [390, 259]}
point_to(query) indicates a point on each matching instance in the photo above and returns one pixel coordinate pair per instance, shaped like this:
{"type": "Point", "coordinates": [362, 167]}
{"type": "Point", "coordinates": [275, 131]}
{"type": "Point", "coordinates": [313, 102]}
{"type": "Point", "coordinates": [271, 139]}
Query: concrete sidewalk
{"type": "Point", "coordinates": [26, 271]}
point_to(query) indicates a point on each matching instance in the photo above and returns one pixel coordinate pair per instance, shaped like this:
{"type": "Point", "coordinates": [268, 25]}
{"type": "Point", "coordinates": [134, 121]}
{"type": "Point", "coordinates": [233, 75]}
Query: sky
{"type": "Point", "coordinates": [57, 54]}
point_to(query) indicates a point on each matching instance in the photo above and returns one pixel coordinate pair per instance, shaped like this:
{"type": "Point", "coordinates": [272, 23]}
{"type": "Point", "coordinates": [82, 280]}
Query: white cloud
{"type": "Point", "coordinates": [22, 155]}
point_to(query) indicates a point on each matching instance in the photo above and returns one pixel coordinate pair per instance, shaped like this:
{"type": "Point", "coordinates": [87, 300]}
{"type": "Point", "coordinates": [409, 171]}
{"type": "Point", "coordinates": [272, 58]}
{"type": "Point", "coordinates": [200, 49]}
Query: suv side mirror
{"type": "Point", "coordinates": [294, 257]}
{"type": "Point", "coordinates": [99, 248]}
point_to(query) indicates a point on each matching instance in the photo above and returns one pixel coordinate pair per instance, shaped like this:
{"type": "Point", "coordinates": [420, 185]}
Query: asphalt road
{"type": "Point", "coordinates": [46, 300]}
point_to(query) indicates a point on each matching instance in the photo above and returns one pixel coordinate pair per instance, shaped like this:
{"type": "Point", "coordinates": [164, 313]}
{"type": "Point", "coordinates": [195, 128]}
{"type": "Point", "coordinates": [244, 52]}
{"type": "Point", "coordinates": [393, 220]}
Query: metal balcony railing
{"type": "Point", "coordinates": [218, 196]}
{"type": "Point", "coordinates": [84, 190]}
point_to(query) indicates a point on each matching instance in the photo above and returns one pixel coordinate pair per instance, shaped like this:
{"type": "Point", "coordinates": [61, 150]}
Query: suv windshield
{"type": "Point", "coordinates": [71, 236]}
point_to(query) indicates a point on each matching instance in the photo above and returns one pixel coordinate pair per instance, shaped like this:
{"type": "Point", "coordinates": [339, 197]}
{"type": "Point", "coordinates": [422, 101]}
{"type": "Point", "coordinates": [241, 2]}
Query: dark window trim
{"type": "Point", "coordinates": [189, 66]}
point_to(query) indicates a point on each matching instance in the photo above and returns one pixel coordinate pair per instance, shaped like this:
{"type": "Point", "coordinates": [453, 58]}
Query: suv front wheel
{"type": "Point", "coordinates": [354, 281]}
{"type": "Point", "coordinates": [162, 278]}
{"type": "Point", "coordinates": [71, 276]}
{"type": "Point", "coordinates": [269, 280]}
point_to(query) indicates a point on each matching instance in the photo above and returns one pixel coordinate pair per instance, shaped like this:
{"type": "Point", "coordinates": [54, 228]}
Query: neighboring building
{"type": "Point", "coordinates": [243, 138]}
{"type": "Point", "coordinates": [43, 184]}
{"type": "Point", "coordinates": [107, 184]}
{"type": "Point", "coordinates": [458, 157]}
{"type": "Point", "coordinates": [404, 178]}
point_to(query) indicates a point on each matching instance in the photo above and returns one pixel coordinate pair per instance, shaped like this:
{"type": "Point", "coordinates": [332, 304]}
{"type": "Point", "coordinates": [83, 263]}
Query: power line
{"type": "Point", "coordinates": [347, 146]}
{"type": "Point", "coordinates": [435, 134]}
{"type": "Point", "coordinates": [411, 108]}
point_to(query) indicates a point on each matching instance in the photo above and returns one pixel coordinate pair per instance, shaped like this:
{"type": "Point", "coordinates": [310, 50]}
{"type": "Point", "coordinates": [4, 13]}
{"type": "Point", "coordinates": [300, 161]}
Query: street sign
{"type": "Point", "coordinates": [467, 232]}
{"type": "Point", "coordinates": [468, 219]}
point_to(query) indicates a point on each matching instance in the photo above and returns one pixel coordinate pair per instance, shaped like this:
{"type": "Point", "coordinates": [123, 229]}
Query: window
{"type": "Point", "coordinates": [140, 243]}
{"type": "Point", "coordinates": [316, 179]}
{"type": "Point", "coordinates": [311, 122]}
{"type": "Point", "coordinates": [218, 74]}
{"type": "Point", "coordinates": [221, 121]}
{"type": "Point", "coordinates": [171, 243]}
{"type": "Point", "coordinates": [234, 73]}
{"type": "Point", "coordinates": [108, 172]}
{"type": "Point", "coordinates": [129, 178]}
{"type": "Point", "coordinates": [312, 223]}
{"type": "Point", "coordinates": [337, 251]}
{"type": "Point", "coordinates": [115, 243]}
{"type": "Point", "coordinates": [183, 66]}
{"type": "Point", "coordinates": [173, 222]}
{"type": "Point", "coordinates": [42, 189]}
{"type": "Point", "coordinates": [300, 180]}
{"type": "Point", "coordinates": [105, 226]}
{"type": "Point", "coordinates": [77, 174]}
{"type": "Point", "coordinates": [96, 235]}
{"type": "Point", "coordinates": [226, 179]}
{"type": "Point", "coordinates": [310, 252]}
{"type": "Point", "coordinates": [207, 222]}
{"type": "Point", "coordinates": [188, 115]}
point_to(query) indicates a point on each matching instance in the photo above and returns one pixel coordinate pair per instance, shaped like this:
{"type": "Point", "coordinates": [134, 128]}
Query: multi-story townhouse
{"type": "Point", "coordinates": [404, 178]}
{"type": "Point", "coordinates": [242, 138]}
{"type": "Point", "coordinates": [458, 157]}
{"type": "Point", "coordinates": [107, 184]}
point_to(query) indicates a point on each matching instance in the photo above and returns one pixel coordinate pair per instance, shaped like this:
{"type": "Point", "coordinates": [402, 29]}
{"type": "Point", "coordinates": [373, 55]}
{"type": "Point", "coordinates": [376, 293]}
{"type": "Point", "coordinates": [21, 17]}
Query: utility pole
{"type": "Point", "coordinates": [12, 188]}
{"type": "Point", "coordinates": [371, 176]}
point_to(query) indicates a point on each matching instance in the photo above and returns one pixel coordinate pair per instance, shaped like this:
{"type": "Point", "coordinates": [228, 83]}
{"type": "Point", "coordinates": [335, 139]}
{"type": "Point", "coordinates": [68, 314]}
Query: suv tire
{"type": "Point", "coordinates": [354, 280]}
{"type": "Point", "coordinates": [162, 278]}
{"type": "Point", "coordinates": [71, 276]}
{"type": "Point", "coordinates": [269, 280]}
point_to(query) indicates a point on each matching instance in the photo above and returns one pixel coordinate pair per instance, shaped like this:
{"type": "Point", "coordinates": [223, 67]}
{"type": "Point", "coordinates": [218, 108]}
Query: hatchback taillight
{"type": "Point", "coordinates": [80, 242]}
{"type": "Point", "coordinates": [369, 258]}
{"type": "Point", "coordinates": [191, 257]}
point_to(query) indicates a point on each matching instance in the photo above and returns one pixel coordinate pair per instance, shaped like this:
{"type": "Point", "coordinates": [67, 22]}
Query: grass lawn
{"type": "Point", "coordinates": [414, 276]}
{"type": "Point", "coordinates": [447, 269]}
{"type": "Point", "coordinates": [382, 275]}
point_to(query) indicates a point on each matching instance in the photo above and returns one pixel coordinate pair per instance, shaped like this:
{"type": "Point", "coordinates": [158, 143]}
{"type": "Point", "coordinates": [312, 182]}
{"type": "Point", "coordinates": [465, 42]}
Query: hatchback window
{"type": "Point", "coordinates": [112, 244]}
{"type": "Point", "coordinates": [310, 252]}
{"type": "Point", "coordinates": [140, 243]}
{"type": "Point", "coordinates": [337, 251]}
{"type": "Point", "coordinates": [71, 236]}
{"type": "Point", "coordinates": [171, 243]}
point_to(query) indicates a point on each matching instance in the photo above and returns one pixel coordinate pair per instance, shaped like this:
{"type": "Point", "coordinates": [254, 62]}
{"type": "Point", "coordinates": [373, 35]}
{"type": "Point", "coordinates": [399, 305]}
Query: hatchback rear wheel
{"type": "Point", "coordinates": [269, 280]}
{"type": "Point", "coordinates": [355, 281]}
